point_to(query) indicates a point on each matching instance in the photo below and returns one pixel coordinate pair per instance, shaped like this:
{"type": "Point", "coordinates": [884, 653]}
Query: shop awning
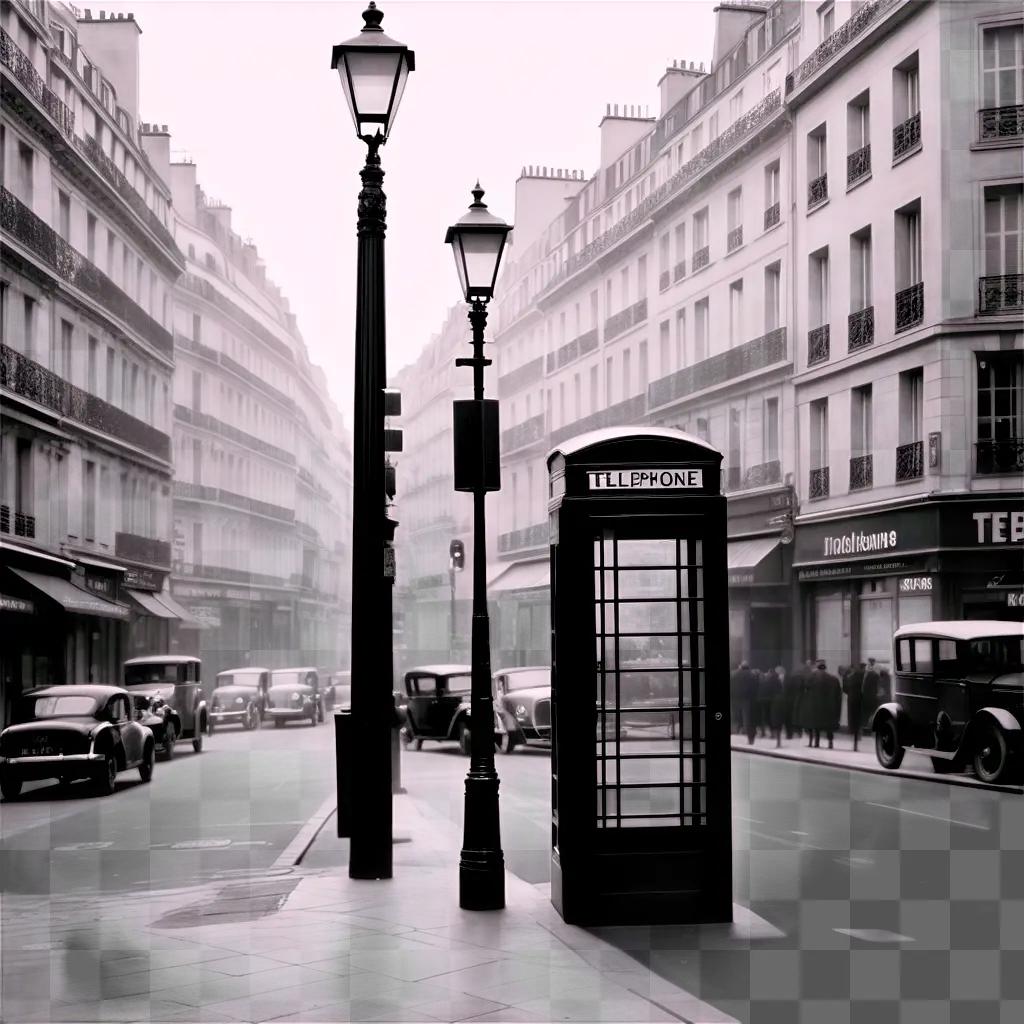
{"type": "Point", "coordinates": [750, 562]}
{"type": "Point", "coordinates": [151, 604]}
{"type": "Point", "coordinates": [72, 598]}
{"type": "Point", "coordinates": [18, 549]}
{"type": "Point", "coordinates": [534, 575]}
{"type": "Point", "coordinates": [188, 620]}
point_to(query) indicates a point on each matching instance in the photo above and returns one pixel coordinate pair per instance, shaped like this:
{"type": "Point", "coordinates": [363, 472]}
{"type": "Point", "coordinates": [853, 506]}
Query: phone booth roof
{"type": "Point", "coordinates": [625, 442]}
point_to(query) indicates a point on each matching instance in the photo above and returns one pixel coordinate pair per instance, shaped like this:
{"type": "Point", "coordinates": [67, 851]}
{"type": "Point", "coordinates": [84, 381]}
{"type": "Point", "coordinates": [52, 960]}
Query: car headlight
{"type": "Point", "coordinates": [520, 711]}
{"type": "Point", "coordinates": [239, 700]}
{"type": "Point", "coordinates": [296, 698]}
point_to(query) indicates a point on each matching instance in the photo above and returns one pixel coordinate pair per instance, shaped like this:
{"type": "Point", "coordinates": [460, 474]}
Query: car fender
{"type": "Point", "coordinates": [108, 738]}
{"type": "Point", "coordinates": [1006, 721]}
{"type": "Point", "coordinates": [895, 711]}
{"type": "Point", "coordinates": [462, 711]}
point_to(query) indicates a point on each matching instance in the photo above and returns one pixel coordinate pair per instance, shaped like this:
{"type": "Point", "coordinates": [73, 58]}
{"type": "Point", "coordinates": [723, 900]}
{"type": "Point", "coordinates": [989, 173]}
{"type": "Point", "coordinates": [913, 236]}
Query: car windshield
{"type": "Point", "coordinates": [994, 654]}
{"type": "Point", "coordinates": [529, 678]}
{"type": "Point", "coordinates": [290, 678]}
{"type": "Point", "coordinates": [139, 675]}
{"type": "Point", "coordinates": [60, 706]}
{"type": "Point", "coordinates": [238, 679]}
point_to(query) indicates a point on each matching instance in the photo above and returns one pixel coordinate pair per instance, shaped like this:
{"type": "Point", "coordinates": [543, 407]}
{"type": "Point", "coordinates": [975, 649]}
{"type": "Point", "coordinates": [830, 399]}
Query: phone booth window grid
{"type": "Point", "coordinates": [651, 729]}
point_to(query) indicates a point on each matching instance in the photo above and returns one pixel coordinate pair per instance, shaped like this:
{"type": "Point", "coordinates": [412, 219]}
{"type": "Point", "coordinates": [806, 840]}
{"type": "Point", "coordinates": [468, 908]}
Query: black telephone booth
{"type": "Point", "coordinates": [640, 777]}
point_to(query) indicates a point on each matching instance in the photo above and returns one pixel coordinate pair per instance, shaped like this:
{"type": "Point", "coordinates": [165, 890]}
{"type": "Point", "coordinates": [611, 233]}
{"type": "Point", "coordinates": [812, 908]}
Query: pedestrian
{"type": "Point", "coordinates": [870, 690]}
{"type": "Point", "coordinates": [792, 683]}
{"type": "Point", "coordinates": [884, 686]}
{"type": "Point", "coordinates": [764, 703]}
{"type": "Point", "coordinates": [828, 693]}
{"type": "Point", "coordinates": [771, 688]}
{"type": "Point", "coordinates": [807, 703]}
{"type": "Point", "coordinates": [735, 702]}
{"type": "Point", "coordinates": [744, 684]}
{"type": "Point", "coordinates": [853, 687]}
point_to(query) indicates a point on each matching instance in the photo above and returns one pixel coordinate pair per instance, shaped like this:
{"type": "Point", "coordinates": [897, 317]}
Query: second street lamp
{"type": "Point", "coordinates": [373, 71]}
{"type": "Point", "coordinates": [477, 241]}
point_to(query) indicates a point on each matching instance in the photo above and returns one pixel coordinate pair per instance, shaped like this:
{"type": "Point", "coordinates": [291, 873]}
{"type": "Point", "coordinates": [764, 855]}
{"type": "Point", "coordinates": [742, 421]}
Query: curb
{"type": "Point", "coordinates": [945, 780]}
{"type": "Point", "coordinates": [291, 856]}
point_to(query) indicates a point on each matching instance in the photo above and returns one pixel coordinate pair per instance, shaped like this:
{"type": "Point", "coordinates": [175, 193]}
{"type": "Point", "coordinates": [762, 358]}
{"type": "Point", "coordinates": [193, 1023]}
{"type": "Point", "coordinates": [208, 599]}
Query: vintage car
{"type": "Point", "coordinates": [522, 706]}
{"type": "Point", "coordinates": [175, 679]}
{"type": "Point", "coordinates": [161, 720]}
{"type": "Point", "coordinates": [436, 705]}
{"type": "Point", "coordinates": [341, 683]}
{"type": "Point", "coordinates": [74, 732]}
{"type": "Point", "coordinates": [239, 698]}
{"type": "Point", "coordinates": [958, 696]}
{"type": "Point", "coordinates": [294, 696]}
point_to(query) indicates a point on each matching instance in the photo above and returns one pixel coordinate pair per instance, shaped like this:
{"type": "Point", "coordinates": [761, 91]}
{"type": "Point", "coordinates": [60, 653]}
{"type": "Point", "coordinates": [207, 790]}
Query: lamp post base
{"type": "Point", "coordinates": [482, 863]}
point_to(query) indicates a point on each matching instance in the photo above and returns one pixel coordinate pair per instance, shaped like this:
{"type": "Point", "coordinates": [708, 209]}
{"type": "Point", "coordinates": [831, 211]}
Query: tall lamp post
{"type": "Point", "coordinates": [373, 71]}
{"type": "Point", "coordinates": [477, 241]}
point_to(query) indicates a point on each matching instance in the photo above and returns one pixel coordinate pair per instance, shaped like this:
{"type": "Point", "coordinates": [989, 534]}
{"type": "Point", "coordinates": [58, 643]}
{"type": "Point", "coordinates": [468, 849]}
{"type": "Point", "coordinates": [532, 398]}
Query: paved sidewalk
{"type": "Point", "coordinates": [313, 945]}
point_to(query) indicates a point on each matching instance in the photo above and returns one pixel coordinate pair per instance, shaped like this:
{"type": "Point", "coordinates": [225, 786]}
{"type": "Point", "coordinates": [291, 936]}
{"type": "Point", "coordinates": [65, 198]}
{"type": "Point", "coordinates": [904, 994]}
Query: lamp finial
{"type": "Point", "coordinates": [373, 18]}
{"type": "Point", "coordinates": [478, 197]}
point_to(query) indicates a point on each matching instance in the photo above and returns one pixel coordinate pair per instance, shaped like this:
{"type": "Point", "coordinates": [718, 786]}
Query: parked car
{"type": "Point", "coordinates": [328, 692]}
{"type": "Point", "coordinates": [239, 697]}
{"type": "Point", "coordinates": [294, 695]}
{"type": "Point", "coordinates": [958, 696]}
{"type": "Point", "coordinates": [176, 679]}
{"type": "Point", "coordinates": [342, 684]}
{"type": "Point", "coordinates": [74, 732]}
{"type": "Point", "coordinates": [161, 720]}
{"type": "Point", "coordinates": [522, 704]}
{"type": "Point", "coordinates": [436, 705]}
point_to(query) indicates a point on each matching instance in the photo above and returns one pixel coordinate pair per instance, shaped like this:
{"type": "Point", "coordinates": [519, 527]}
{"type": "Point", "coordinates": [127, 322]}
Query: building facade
{"type": "Point", "coordinates": [89, 264]}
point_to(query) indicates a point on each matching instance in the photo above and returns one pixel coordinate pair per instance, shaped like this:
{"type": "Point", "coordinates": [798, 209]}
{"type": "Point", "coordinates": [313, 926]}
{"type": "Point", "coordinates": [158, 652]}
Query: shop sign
{"type": "Point", "coordinates": [1015, 599]}
{"type": "Point", "coordinates": [999, 527]}
{"type": "Point", "coordinates": [100, 585]}
{"type": "Point", "coordinates": [217, 593]}
{"type": "Point", "coordinates": [993, 523]}
{"type": "Point", "coordinates": [895, 533]}
{"type": "Point", "coordinates": [16, 604]}
{"type": "Point", "coordinates": [143, 579]}
{"type": "Point", "coordinates": [644, 479]}
{"type": "Point", "coordinates": [915, 584]}
{"type": "Point", "coordinates": [206, 614]}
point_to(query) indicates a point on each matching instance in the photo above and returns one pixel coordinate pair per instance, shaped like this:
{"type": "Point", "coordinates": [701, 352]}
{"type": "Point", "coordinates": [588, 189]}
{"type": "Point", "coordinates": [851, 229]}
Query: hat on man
{"type": "Point", "coordinates": [821, 665]}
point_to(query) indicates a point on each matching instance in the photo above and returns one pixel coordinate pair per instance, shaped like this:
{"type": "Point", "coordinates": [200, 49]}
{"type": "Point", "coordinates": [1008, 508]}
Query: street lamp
{"type": "Point", "coordinates": [373, 70]}
{"type": "Point", "coordinates": [477, 241]}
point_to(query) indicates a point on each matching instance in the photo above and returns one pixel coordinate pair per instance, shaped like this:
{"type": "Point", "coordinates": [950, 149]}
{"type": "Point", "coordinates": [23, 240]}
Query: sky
{"type": "Point", "coordinates": [248, 94]}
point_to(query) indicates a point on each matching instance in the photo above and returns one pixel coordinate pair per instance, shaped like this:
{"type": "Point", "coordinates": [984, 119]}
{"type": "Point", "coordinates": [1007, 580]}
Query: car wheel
{"type": "Point", "coordinates": [148, 760]}
{"type": "Point", "coordinates": [888, 748]}
{"type": "Point", "coordinates": [993, 760]}
{"type": "Point", "coordinates": [197, 741]}
{"type": "Point", "coordinates": [10, 786]}
{"type": "Point", "coordinates": [170, 736]}
{"type": "Point", "coordinates": [465, 745]}
{"type": "Point", "coordinates": [107, 776]}
{"type": "Point", "coordinates": [278, 723]}
{"type": "Point", "coordinates": [506, 743]}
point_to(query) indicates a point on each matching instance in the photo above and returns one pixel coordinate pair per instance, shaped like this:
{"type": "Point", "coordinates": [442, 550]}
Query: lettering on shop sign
{"type": "Point", "coordinates": [1015, 599]}
{"type": "Point", "coordinates": [644, 479]}
{"type": "Point", "coordinates": [15, 604]}
{"type": "Point", "coordinates": [999, 527]}
{"type": "Point", "coordinates": [855, 543]}
{"type": "Point", "coordinates": [100, 586]}
{"type": "Point", "coordinates": [910, 584]}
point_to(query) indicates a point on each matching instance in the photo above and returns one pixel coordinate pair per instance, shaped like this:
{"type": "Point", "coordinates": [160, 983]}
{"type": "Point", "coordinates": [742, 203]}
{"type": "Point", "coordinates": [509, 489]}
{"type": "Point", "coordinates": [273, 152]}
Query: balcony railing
{"type": "Point", "coordinates": [528, 432]}
{"type": "Point", "coordinates": [24, 524]}
{"type": "Point", "coordinates": [1005, 455]}
{"type": "Point", "coordinates": [906, 137]}
{"type": "Point", "coordinates": [230, 575]}
{"type": "Point", "coordinates": [819, 344]}
{"type": "Point", "coordinates": [734, 239]}
{"type": "Point", "coordinates": [35, 234]}
{"type": "Point", "coordinates": [632, 410]}
{"type": "Point", "coordinates": [142, 549]}
{"type": "Point", "coordinates": [1002, 293]}
{"type": "Point", "coordinates": [522, 376]}
{"type": "Point", "coordinates": [861, 472]}
{"type": "Point", "coordinates": [909, 307]}
{"type": "Point", "coordinates": [817, 190]}
{"type": "Point", "coordinates": [201, 492]}
{"type": "Point", "coordinates": [24, 71]}
{"type": "Point", "coordinates": [211, 423]}
{"type": "Point", "coordinates": [858, 164]}
{"type": "Point", "coordinates": [818, 485]}
{"type": "Point", "coordinates": [679, 271]}
{"type": "Point", "coordinates": [854, 26]}
{"type": "Point", "coordinates": [910, 461]}
{"type": "Point", "coordinates": [38, 384]}
{"type": "Point", "coordinates": [763, 474]}
{"type": "Point", "coordinates": [999, 123]}
{"type": "Point", "coordinates": [700, 259]}
{"type": "Point", "coordinates": [860, 329]}
{"type": "Point", "coordinates": [772, 215]}
{"type": "Point", "coordinates": [768, 350]}
{"type": "Point", "coordinates": [536, 536]}
{"type": "Point", "coordinates": [620, 322]}
{"type": "Point", "coordinates": [664, 280]}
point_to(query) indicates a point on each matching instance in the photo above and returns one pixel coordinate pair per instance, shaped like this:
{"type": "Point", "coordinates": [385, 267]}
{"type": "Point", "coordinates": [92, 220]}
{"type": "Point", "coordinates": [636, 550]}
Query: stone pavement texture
{"type": "Point", "coordinates": [304, 945]}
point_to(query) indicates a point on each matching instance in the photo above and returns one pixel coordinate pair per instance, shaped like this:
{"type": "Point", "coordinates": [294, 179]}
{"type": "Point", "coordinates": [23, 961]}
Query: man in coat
{"type": "Point", "coordinates": [827, 703]}
{"type": "Point", "coordinates": [853, 687]}
{"type": "Point", "coordinates": [744, 686]}
{"type": "Point", "coordinates": [869, 690]}
{"type": "Point", "coordinates": [792, 686]}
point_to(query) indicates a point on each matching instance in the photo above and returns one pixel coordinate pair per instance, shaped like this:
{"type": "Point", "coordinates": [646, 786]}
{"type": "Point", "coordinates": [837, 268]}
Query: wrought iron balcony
{"type": "Point", "coordinates": [860, 329]}
{"type": "Point", "coordinates": [861, 472]}
{"type": "Point", "coordinates": [1005, 455]}
{"type": "Point", "coordinates": [679, 271]}
{"type": "Point", "coordinates": [24, 524]}
{"type": "Point", "coordinates": [664, 280]}
{"type": "Point", "coordinates": [700, 259]}
{"type": "Point", "coordinates": [906, 137]}
{"type": "Point", "coordinates": [772, 215]}
{"type": "Point", "coordinates": [858, 164]}
{"type": "Point", "coordinates": [522, 434]}
{"type": "Point", "coordinates": [38, 384]}
{"type": "Point", "coordinates": [230, 575]}
{"type": "Point", "coordinates": [910, 461]}
{"type": "Point", "coordinates": [759, 354]}
{"type": "Point", "coordinates": [909, 307]}
{"type": "Point", "coordinates": [819, 344]}
{"type": "Point", "coordinates": [186, 491]}
{"type": "Point", "coordinates": [817, 191]}
{"type": "Point", "coordinates": [620, 322]}
{"type": "Point", "coordinates": [216, 426]}
{"type": "Point", "coordinates": [521, 377]}
{"type": "Point", "coordinates": [763, 474]}
{"type": "Point", "coordinates": [632, 410]}
{"type": "Point", "coordinates": [734, 239]}
{"type": "Point", "coordinates": [536, 536]}
{"type": "Point", "coordinates": [999, 123]}
{"type": "Point", "coordinates": [69, 265]}
{"type": "Point", "coordinates": [18, 63]}
{"type": "Point", "coordinates": [143, 549]}
{"type": "Point", "coordinates": [818, 486]}
{"type": "Point", "coordinates": [1002, 293]}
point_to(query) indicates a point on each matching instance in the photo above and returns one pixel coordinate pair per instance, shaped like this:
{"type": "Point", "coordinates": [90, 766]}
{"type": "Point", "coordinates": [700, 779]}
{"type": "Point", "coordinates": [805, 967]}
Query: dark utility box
{"type": "Point", "coordinates": [476, 445]}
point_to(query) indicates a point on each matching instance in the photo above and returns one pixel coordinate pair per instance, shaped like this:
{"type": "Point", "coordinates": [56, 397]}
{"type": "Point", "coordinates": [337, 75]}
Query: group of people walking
{"type": "Point", "coordinates": [808, 700]}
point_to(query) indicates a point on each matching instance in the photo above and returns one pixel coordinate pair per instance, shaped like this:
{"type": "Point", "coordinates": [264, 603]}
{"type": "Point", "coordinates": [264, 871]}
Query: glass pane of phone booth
{"type": "Point", "coordinates": [651, 735]}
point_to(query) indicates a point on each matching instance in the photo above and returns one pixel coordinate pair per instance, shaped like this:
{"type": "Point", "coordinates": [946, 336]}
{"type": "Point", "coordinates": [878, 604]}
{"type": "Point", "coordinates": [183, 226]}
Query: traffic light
{"type": "Point", "coordinates": [392, 407]}
{"type": "Point", "coordinates": [457, 555]}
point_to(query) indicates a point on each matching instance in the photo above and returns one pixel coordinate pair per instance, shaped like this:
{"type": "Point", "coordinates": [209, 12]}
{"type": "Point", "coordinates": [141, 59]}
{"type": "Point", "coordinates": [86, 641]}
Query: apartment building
{"type": "Point", "coordinates": [87, 356]}
{"type": "Point", "coordinates": [907, 135]}
{"type": "Point", "coordinates": [262, 513]}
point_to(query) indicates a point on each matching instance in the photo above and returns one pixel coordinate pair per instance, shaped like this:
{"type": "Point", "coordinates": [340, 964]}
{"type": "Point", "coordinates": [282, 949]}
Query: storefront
{"type": "Point", "coordinates": [521, 592]}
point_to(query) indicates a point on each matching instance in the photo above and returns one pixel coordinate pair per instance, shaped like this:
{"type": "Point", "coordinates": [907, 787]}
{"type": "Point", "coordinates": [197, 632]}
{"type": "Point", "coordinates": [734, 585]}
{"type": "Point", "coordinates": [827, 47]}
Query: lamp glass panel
{"type": "Point", "coordinates": [481, 256]}
{"type": "Point", "coordinates": [460, 267]}
{"type": "Point", "coordinates": [403, 76]}
{"type": "Point", "coordinates": [346, 88]}
{"type": "Point", "coordinates": [373, 79]}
